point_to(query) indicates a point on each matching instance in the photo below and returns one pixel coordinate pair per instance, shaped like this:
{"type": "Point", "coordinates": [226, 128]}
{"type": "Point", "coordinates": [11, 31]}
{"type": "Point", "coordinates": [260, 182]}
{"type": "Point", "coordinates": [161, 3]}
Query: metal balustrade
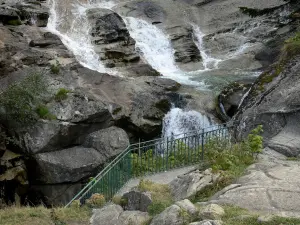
{"type": "Point", "coordinates": [151, 157]}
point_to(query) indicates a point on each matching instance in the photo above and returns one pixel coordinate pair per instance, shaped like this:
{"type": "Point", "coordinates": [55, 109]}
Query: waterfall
{"type": "Point", "coordinates": [155, 47]}
{"type": "Point", "coordinates": [208, 62]}
{"type": "Point", "coordinates": [179, 121]}
{"type": "Point", "coordinates": [69, 21]}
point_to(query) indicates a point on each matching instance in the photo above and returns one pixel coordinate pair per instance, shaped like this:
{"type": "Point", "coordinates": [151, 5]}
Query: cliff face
{"type": "Point", "coordinates": [274, 101]}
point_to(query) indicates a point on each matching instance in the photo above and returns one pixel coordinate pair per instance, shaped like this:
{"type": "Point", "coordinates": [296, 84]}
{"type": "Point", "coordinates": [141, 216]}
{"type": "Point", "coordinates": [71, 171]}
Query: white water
{"type": "Point", "coordinates": [208, 61]}
{"type": "Point", "coordinates": [155, 47]}
{"type": "Point", "coordinates": [179, 121]}
{"type": "Point", "coordinates": [76, 38]}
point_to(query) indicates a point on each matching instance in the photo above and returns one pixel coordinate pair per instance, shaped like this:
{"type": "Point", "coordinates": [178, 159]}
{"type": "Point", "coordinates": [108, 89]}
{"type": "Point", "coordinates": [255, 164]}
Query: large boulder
{"type": "Point", "coordinates": [273, 102]}
{"type": "Point", "coordinates": [212, 212]}
{"type": "Point", "coordinates": [109, 142]}
{"type": "Point", "coordinates": [188, 185]}
{"type": "Point", "coordinates": [170, 216]}
{"type": "Point", "coordinates": [136, 200]}
{"type": "Point", "coordinates": [65, 166]}
{"type": "Point", "coordinates": [114, 215]}
{"type": "Point", "coordinates": [270, 187]}
{"type": "Point", "coordinates": [185, 49]}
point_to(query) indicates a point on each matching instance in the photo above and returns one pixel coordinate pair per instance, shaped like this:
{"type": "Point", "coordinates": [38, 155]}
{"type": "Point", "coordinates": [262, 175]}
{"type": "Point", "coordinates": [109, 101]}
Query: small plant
{"type": "Point", "coordinates": [44, 113]}
{"type": "Point", "coordinates": [55, 68]}
{"type": "Point", "coordinates": [96, 200]}
{"type": "Point", "coordinates": [119, 200]}
{"type": "Point", "coordinates": [75, 204]}
{"type": "Point", "coordinates": [19, 101]}
{"type": "Point", "coordinates": [61, 94]}
{"type": "Point", "coordinates": [160, 193]}
{"type": "Point", "coordinates": [255, 141]}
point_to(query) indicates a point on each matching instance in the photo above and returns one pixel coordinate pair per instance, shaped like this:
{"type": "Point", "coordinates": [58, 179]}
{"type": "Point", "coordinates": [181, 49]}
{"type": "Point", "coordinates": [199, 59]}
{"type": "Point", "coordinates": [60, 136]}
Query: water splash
{"type": "Point", "coordinates": [156, 49]}
{"type": "Point", "coordinates": [178, 121]}
{"type": "Point", "coordinates": [75, 36]}
{"type": "Point", "coordinates": [208, 61]}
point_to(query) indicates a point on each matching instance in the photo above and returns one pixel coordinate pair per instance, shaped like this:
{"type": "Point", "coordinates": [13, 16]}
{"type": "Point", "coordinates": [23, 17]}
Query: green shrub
{"type": "Point", "coordinates": [61, 94]}
{"type": "Point", "coordinates": [55, 68]}
{"type": "Point", "coordinates": [18, 102]}
{"type": "Point", "coordinates": [180, 154]}
{"type": "Point", "coordinates": [44, 113]}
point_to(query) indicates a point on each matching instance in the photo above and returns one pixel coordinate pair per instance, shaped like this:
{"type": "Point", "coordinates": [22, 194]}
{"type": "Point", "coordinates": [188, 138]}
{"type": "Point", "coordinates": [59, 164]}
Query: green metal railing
{"type": "Point", "coordinates": [151, 157]}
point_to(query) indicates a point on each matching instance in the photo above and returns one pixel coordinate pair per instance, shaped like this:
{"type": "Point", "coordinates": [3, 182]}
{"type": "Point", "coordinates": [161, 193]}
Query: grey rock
{"type": "Point", "coordinates": [137, 200]}
{"type": "Point", "coordinates": [68, 165]}
{"type": "Point", "coordinates": [113, 42]}
{"type": "Point", "coordinates": [114, 215]}
{"type": "Point", "coordinates": [188, 185]}
{"type": "Point", "coordinates": [279, 120]}
{"type": "Point", "coordinates": [109, 142]}
{"type": "Point", "coordinates": [268, 187]}
{"type": "Point", "coordinates": [182, 39]}
{"type": "Point", "coordinates": [53, 195]}
{"type": "Point", "coordinates": [108, 215]}
{"type": "Point", "coordinates": [134, 217]}
{"type": "Point", "coordinates": [188, 206]}
{"type": "Point", "coordinates": [170, 216]}
{"type": "Point", "coordinates": [212, 212]}
{"type": "Point", "coordinates": [208, 222]}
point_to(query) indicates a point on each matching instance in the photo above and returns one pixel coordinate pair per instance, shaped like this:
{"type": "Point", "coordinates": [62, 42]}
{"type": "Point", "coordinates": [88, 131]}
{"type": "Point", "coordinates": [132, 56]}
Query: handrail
{"type": "Point", "coordinates": [152, 144]}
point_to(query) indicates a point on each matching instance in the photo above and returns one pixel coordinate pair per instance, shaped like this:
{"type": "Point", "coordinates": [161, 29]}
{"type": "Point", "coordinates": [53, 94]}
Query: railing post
{"type": "Point", "coordinates": [167, 153]}
{"type": "Point", "coordinates": [202, 145]}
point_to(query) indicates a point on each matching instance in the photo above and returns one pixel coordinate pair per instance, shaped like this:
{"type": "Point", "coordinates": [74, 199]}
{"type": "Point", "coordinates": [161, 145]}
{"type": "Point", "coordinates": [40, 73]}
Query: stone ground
{"type": "Point", "coordinates": [270, 186]}
{"type": "Point", "coordinates": [161, 178]}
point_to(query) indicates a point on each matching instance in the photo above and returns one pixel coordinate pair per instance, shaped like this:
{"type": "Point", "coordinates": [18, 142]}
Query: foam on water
{"type": "Point", "coordinates": [208, 61]}
{"type": "Point", "coordinates": [155, 47]}
{"type": "Point", "coordinates": [77, 38]}
{"type": "Point", "coordinates": [179, 121]}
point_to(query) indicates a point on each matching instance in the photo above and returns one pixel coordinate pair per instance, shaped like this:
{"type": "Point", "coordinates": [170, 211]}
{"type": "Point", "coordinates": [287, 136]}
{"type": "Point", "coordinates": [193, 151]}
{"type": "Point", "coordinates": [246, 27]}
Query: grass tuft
{"type": "Point", "coordinates": [161, 196]}
{"type": "Point", "coordinates": [44, 216]}
{"type": "Point", "coordinates": [61, 94]}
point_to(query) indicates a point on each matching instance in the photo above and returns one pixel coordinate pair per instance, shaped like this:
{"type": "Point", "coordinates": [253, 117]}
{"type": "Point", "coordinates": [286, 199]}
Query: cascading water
{"type": "Point", "coordinates": [208, 62]}
{"type": "Point", "coordinates": [76, 36]}
{"type": "Point", "coordinates": [178, 121]}
{"type": "Point", "coordinates": [156, 49]}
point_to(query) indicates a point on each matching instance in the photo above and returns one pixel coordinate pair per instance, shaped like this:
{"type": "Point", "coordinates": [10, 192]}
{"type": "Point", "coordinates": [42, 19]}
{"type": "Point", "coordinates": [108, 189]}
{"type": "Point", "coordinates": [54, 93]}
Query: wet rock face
{"type": "Point", "coordinates": [113, 42]}
{"type": "Point", "coordinates": [274, 103]}
{"type": "Point", "coordinates": [20, 12]}
{"type": "Point", "coordinates": [183, 43]}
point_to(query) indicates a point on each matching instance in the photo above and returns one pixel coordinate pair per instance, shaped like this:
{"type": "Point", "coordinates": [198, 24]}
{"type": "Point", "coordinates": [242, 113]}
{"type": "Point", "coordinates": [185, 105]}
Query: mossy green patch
{"type": "Point", "coordinates": [61, 94]}
{"type": "Point", "coordinates": [15, 22]}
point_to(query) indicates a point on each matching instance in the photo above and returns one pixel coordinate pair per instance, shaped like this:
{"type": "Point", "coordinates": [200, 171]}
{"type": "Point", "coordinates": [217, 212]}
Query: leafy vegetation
{"type": "Point", "coordinates": [231, 160]}
{"type": "Point", "coordinates": [55, 68]}
{"type": "Point", "coordinates": [290, 49]}
{"type": "Point", "coordinates": [179, 154]}
{"type": "Point", "coordinates": [161, 196]}
{"type": "Point", "coordinates": [19, 100]}
{"type": "Point", "coordinates": [44, 113]}
{"type": "Point", "coordinates": [61, 94]}
{"type": "Point", "coordinates": [44, 216]}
